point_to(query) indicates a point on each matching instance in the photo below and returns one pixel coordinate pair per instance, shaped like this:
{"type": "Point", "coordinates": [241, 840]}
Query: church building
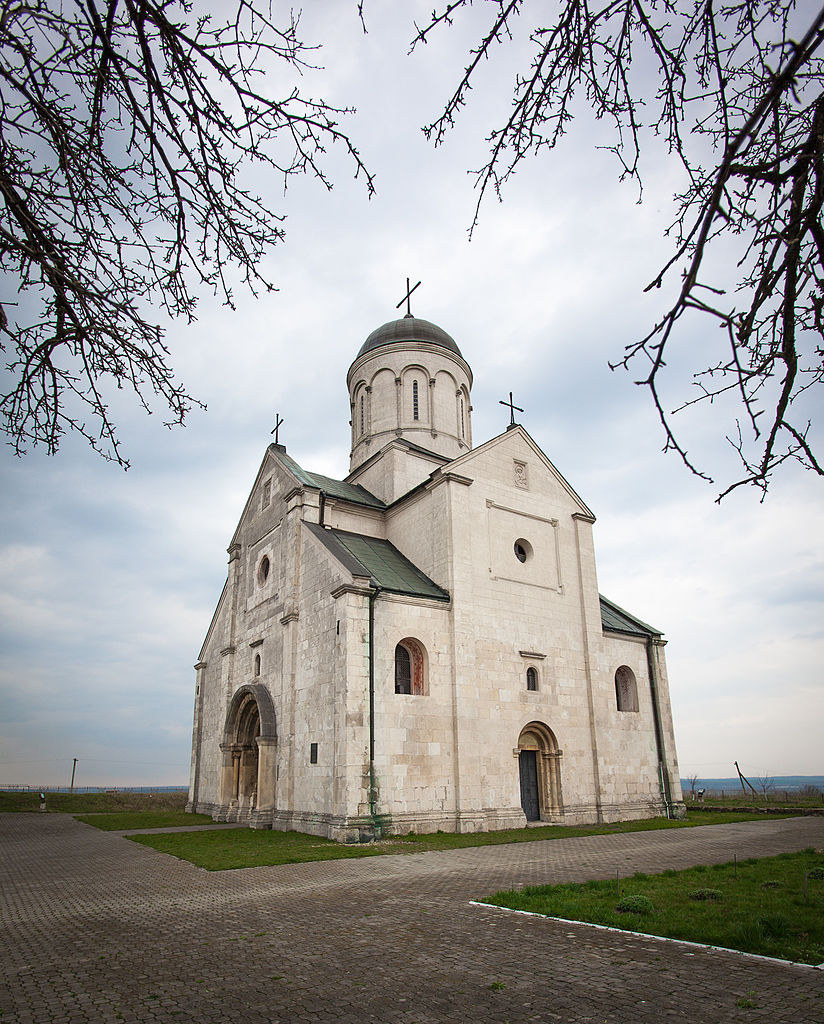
{"type": "Point", "coordinates": [422, 645]}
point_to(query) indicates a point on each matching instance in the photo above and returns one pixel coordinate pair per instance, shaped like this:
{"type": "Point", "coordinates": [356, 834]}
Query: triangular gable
{"type": "Point", "coordinates": [271, 457]}
{"type": "Point", "coordinates": [518, 430]}
{"type": "Point", "coordinates": [276, 455]}
{"type": "Point", "coordinates": [404, 444]}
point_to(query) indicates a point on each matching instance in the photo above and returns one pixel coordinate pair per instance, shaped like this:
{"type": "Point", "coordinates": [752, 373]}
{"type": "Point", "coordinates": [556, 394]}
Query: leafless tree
{"type": "Point", "coordinates": [693, 782]}
{"type": "Point", "coordinates": [128, 133]}
{"type": "Point", "coordinates": [736, 94]}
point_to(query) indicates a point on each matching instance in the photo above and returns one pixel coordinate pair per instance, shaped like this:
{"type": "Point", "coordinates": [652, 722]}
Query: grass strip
{"type": "Point", "coordinates": [113, 821]}
{"type": "Point", "coordinates": [756, 906]}
{"type": "Point", "coordinates": [224, 849]}
{"type": "Point", "coordinates": [93, 803]}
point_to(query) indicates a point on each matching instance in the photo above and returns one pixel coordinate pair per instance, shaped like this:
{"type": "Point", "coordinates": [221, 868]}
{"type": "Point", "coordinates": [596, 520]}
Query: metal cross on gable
{"type": "Point", "coordinates": [407, 297]}
{"type": "Point", "coordinates": [278, 425]}
{"type": "Point", "coordinates": [512, 407]}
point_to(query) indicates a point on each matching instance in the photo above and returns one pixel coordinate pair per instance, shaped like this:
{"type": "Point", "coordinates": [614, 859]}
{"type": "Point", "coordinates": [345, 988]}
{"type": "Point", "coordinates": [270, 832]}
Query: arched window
{"type": "Point", "coordinates": [403, 670]}
{"type": "Point", "coordinates": [414, 400]}
{"type": "Point", "coordinates": [410, 668]}
{"type": "Point", "coordinates": [531, 679]}
{"type": "Point", "coordinates": [362, 419]}
{"type": "Point", "coordinates": [463, 429]}
{"type": "Point", "coordinates": [257, 664]}
{"type": "Point", "coordinates": [626, 689]}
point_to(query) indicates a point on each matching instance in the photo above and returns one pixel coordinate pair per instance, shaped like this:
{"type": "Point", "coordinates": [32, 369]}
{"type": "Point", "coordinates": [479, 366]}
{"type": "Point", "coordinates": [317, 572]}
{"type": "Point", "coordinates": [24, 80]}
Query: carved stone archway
{"type": "Point", "coordinates": [248, 773]}
{"type": "Point", "coordinates": [538, 745]}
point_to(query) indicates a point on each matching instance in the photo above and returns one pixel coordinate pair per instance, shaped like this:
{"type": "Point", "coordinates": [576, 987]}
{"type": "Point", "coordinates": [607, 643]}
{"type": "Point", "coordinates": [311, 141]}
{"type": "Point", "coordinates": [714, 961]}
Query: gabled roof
{"type": "Point", "coordinates": [333, 488]}
{"type": "Point", "coordinates": [381, 561]}
{"type": "Point", "coordinates": [400, 442]}
{"type": "Point", "coordinates": [616, 620]}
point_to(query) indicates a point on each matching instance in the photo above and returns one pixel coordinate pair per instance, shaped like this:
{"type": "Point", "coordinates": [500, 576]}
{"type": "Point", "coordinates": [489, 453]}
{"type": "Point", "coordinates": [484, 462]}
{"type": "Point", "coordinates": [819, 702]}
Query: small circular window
{"type": "Point", "coordinates": [263, 570]}
{"type": "Point", "coordinates": [523, 550]}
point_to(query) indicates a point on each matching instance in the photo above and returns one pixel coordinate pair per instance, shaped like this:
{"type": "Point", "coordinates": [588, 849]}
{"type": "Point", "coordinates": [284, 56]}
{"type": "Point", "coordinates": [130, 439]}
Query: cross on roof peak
{"type": "Point", "coordinates": [512, 407]}
{"type": "Point", "coordinates": [278, 425]}
{"type": "Point", "coordinates": [407, 297]}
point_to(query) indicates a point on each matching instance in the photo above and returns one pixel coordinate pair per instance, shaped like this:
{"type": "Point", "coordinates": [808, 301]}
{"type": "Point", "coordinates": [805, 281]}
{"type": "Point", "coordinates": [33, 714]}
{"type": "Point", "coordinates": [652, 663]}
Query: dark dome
{"type": "Point", "coordinates": [408, 328]}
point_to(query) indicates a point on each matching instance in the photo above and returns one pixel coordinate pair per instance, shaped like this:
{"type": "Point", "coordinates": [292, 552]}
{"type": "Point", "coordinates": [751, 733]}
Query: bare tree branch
{"type": "Point", "coordinates": [127, 135]}
{"type": "Point", "coordinates": [732, 82]}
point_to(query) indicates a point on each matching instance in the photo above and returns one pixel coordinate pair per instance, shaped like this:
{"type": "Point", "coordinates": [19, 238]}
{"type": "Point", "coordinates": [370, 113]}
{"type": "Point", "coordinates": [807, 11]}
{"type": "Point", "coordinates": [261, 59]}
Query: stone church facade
{"type": "Point", "coordinates": [422, 645]}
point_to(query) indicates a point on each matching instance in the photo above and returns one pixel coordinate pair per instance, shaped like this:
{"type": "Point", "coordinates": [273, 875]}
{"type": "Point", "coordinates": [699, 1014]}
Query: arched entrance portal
{"type": "Point", "coordinates": [247, 787]}
{"type": "Point", "coordinates": [539, 768]}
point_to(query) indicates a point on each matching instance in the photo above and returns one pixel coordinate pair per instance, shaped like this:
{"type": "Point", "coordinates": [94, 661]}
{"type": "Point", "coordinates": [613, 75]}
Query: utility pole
{"type": "Point", "coordinates": [74, 768]}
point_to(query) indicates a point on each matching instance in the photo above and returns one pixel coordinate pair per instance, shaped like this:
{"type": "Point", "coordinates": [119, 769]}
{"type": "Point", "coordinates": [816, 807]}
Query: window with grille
{"type": "Point", "coordinates": [403, 670]}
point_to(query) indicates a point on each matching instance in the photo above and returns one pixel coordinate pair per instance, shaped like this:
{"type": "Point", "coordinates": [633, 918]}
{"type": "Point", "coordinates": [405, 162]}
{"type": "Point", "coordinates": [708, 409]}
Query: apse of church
{"type": "Point", "coordinates": [421, 645]}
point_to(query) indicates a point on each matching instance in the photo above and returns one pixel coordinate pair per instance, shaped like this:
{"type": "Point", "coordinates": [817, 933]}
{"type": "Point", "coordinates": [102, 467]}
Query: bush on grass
{"type": "Point", "coordinates": [711, 895]}
{"type": "Point", "coordinates": [634, 904]}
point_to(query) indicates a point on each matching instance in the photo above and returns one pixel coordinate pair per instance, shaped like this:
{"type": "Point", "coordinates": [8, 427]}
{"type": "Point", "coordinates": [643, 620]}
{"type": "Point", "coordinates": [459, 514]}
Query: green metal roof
{"type": "Point", "coordinates": [331, 487]}
{"type": "Point", "coordinates": [409, 328]}
{"type": "Point", "coordinates": [380, 561]}
{"type": "Point", "coordinates": [616, 620]}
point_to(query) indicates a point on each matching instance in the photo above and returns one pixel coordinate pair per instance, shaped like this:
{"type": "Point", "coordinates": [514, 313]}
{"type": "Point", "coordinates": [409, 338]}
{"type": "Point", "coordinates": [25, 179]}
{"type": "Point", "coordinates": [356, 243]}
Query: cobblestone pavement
{"type": "Point", "coordinates": [97, 928]}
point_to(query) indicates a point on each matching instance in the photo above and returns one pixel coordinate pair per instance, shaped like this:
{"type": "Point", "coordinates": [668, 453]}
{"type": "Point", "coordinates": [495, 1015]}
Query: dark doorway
{"type": "Point", "coordinates": [528, 765]}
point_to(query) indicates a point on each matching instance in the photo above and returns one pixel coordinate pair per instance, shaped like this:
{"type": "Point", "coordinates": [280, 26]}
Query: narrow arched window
{"type": "Point", "coordinates": [414, 400]}
{"type": "Point", "coordinates": [257, 664]}
{"type": "Point", "coordinates": [463, 428]}
{"type": "Point", "coordinates": [626, 689]}
{"type": "Point", "coordinates": [531, 679]}
{"type": "Point", "coordinates": [403, 670]}
{"type": "Point", "coordinates": [362, 420]}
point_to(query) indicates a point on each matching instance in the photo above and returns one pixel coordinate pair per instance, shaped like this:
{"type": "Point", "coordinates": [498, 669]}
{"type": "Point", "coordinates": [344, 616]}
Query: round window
{"type": "Point", "coordinates": [263, 570]}
{"type": "Point", "coordinates": [523, 550]}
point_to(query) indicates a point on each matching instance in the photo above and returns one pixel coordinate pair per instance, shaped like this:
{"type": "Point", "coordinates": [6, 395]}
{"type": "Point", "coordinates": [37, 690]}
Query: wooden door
{"type": "Point", "coordinates": [528, 766]}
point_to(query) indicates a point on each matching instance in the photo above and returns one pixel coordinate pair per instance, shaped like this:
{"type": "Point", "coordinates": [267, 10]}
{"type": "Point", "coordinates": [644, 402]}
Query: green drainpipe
{"type": "Point", "coordinates": [373, 814]}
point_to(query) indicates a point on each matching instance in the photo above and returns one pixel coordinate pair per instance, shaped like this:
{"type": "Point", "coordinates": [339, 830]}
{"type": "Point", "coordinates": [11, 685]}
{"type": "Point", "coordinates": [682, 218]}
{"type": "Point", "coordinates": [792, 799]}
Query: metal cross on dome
{"type": "Point", "coordinates": [278, 425]}
{"type": "Point", "coordinates": [512, 407]}
{"type": "Point", "coordinates": [407, 297]}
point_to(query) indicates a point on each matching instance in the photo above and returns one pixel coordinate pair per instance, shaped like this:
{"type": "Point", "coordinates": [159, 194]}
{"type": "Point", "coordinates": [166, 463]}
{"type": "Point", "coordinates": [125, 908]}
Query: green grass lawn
{"type": "Point", "coordinates": [756, 906]}
{"type": "Point", "coordinates": [221, 849]}
{"type": "Point", "coordinates": [93, 803]}
{"type": "Point", "coordinates": [243, 848]}
{"type": "Point", "coordinates": [112, 821]}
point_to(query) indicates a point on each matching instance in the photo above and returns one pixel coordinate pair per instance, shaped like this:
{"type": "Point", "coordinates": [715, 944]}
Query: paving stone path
{"type": "Point", "coordinates": [96, 928]}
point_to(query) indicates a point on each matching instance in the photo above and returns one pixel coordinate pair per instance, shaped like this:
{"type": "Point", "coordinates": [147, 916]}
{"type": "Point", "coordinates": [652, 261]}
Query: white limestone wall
{"type": "Point", "coordinates": [513, 607]}
{"type": "Point", "coordinates": [213, 684]}
{"type": "Point", "coordinates": [414, 735]}
{"type": "Point", "coordinates": [418, 529]}
{"type": "Point", "coordinates": [319, 685]}
{"type": "Point", "coordinates": [628, 757]}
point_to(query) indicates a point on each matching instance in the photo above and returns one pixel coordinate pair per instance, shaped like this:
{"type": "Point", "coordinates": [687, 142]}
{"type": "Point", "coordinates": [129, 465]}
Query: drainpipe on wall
{"type": "Point", "coordinates": [663, 774]}
{"type": "Point", "coordinates": [372, 781]}
{"type": "Point", "coordinates": [321, 508]}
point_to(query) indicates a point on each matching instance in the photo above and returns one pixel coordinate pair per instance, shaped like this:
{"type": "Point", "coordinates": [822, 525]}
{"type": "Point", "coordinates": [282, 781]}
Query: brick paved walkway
{"type": "Point", "coordinates": [97, 928]}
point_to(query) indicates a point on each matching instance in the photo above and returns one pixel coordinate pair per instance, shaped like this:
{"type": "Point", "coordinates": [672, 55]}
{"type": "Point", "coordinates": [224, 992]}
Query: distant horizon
{"type": "Point", "coordinates": [707, 782]}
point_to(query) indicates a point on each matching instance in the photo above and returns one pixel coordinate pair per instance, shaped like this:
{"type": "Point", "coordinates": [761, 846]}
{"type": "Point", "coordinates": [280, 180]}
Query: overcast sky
{"type": "Point", "coordinates": [108, 580]}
